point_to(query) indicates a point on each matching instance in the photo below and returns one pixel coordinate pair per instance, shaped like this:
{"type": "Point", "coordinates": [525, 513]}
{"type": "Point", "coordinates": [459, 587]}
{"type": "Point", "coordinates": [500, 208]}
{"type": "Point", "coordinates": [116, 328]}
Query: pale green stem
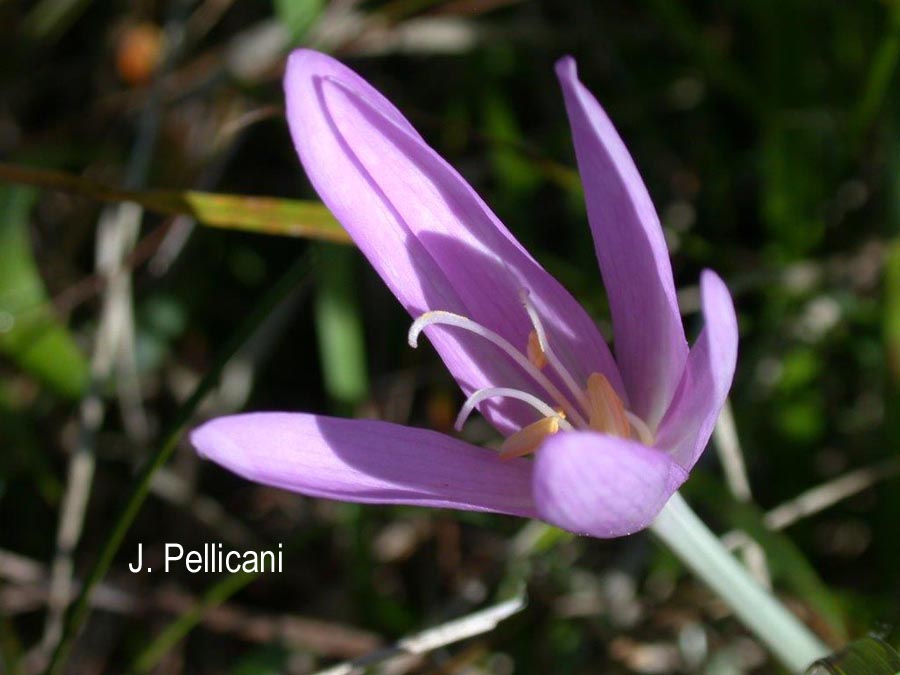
{"type": "Point", "coordinates": [700, 550]}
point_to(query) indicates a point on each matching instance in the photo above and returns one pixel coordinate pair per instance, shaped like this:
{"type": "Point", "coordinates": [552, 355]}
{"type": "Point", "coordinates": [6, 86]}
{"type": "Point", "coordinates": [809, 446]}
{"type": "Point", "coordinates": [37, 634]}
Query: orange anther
{"type": "Point", "coordinates": [535, 352]}
{"type": "Point", "coordinates": [528, 439]}
{"type": "Point", "coordinates": [606, 410]}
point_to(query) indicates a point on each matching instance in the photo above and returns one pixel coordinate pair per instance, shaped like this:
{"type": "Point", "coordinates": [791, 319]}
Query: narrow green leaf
{"type": "Point", "coordinates": [218, 593]}
{"type": "Point", "coordinates": [262, 215]}
{"type": "Point", "coordinates": [30, 333]}
{"type": "Point", "coordinates": [342, 347]}
{"type": "Point", "coordinates": [881, 72]}
{"type": "Point", "coordinates": [892, 309]}
{"type": "Point", "coordinates": [869, 656]}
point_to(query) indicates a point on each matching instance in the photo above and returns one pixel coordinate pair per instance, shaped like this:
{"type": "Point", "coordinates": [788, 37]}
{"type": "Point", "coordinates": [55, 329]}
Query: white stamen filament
{"type": "Point", "coordinates": [566, 408]}
{"type": "Point", "coordinates": [442, 317]}
{"type": "Point", "coordinates": [645, 436]}
{"type": "Point", "coordinates": [551, 356]}
{"type": "Point", "coordinates": [507, 392]}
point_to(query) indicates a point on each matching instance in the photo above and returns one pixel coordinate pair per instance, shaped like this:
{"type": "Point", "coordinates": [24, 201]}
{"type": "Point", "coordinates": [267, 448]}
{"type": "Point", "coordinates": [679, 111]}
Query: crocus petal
{"type": "Point", "coordinates": [600, 485]}
{"type": "Point", "coordinates": [634, 261]}
{"type": "Point", "coordinates": [707, 377]}
{"type": "Point", "coordinates": [430, 237]}
{"type": "Point", "coordinates": [366, 461]}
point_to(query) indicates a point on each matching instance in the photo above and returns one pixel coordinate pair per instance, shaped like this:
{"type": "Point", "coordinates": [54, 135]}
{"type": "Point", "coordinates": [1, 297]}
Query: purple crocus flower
{"type": "Point", "coordinates": [612, 438]}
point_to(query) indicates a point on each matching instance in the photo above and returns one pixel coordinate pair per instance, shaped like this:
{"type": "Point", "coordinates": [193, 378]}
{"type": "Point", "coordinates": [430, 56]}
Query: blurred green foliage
{"type": "Point", "coordinates": [298, 15]}
{"type": "Point", "coordinates": [30, 333]}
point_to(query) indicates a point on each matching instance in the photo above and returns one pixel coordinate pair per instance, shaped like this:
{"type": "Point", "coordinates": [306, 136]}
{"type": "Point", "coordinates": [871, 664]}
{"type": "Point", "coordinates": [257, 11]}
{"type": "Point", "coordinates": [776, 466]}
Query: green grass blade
{"type": "Point", "coordinates": [339, 330]}
{"type": "Point", "coordinates": [869, 656]}
{"type": "Point", "coordinates": [262, 215]}
{"type": "Point", "coordinates": [218, 593]}
{"type": "Point", "coordinates": [881, 73]}
{"type": "Point", "coordinates": [892, 309]}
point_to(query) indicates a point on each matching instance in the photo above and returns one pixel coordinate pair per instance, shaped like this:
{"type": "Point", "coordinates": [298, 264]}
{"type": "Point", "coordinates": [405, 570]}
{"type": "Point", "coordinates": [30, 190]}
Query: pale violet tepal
{"type": "Point", "coordinates": [593, 444]}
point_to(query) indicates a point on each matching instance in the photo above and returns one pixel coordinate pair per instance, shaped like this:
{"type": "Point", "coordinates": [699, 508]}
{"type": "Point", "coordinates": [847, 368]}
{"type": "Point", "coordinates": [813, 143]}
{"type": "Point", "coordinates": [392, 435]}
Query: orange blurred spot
{"type": "Point", "coordinates": [138, 52]}
{"type": "Point", "coordinates": [440, 409]}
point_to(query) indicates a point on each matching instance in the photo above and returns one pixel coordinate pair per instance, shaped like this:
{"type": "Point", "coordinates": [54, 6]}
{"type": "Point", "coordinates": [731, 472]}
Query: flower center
{"type": "Point", "coordinates": [594, 405]}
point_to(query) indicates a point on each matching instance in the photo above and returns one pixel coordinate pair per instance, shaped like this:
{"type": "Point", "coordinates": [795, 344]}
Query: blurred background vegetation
{"type": "Point", "coordinates": [769, 136]}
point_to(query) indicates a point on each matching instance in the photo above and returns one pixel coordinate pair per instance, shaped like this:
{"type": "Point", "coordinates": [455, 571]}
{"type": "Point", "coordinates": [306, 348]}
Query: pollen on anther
{"type": "Point", "coordinates": [528, 439]}
{"type": "Point", "coordinates": [606, 410]}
